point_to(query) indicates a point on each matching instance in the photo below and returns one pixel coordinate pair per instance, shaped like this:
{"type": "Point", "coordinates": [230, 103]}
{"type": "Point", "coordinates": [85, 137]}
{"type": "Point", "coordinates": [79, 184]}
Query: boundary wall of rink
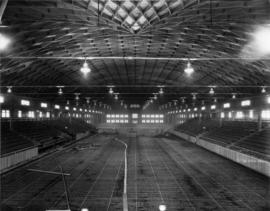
{"type": "Point", "coordinates": [259, 165]}
{"type": "Point", "coordinates": [17, 157]}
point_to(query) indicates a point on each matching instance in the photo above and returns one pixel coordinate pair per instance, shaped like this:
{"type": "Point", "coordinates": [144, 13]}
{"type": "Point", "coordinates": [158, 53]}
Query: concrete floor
{"type": "Point", "coordinates": [160, 171]}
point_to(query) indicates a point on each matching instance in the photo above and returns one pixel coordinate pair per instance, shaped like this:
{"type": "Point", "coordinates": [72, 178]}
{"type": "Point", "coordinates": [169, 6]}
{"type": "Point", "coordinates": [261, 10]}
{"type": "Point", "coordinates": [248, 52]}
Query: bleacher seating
{"type": "Point", "coordinates": [43, 134]}
{"type": "Point", "coordinates": [11, 141]}
{"type": "Point", "coordinates": [258, 144]}
{"type": "Point", "coordinates": [40, 133]}
{"type": "Point", "coordinates": [230, 132]}
{"type": "Point", "coordinates": [72, 126]}
{"type": "Point", "coordinates": [196, 126]}
{"type": "Point", "coordinates": [238, 135]}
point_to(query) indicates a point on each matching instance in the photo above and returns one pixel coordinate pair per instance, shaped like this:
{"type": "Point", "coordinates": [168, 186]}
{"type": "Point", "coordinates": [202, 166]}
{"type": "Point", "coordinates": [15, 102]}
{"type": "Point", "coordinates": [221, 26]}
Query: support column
{"type": "Point", "coordinates": [259, 121]}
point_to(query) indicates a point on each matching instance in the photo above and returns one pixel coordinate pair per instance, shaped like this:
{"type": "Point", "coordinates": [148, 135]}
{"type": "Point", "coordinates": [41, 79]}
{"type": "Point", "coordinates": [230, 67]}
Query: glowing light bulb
{"type": "Point", "coordinates": [162, 207]}
{"type": "Point", "coordinates": [211, 92]}
{"type": "Point", "coordinates": [189, 69]}
{"type": "Point", "coordinates": [4, 42]}
{"type": "Point", "coordinates": [111, 91]}
{"type": "Point", "coordinates": [85, 68]}
{"type": "Point", "coordinates": [161, 92]}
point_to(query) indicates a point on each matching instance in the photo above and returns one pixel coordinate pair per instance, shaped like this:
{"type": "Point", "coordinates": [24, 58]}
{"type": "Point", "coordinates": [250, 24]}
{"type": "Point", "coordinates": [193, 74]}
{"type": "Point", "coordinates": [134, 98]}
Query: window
{"type": "Point", "coordinates": [265, 114]}
{"type": "Point", "coordinates": [43, 105]}
{"type": "Point", "coordinates": [74, 109]}
{"type": "Point", "coordinates": [25, 102]}
{"type": "Point", "coordinates": [40, 114]}
{"type": "Point", "coordinates": [213, 107]}
{"type": "Point", "coordinates": [195, 109]}
{"type": "Point", "coordinates": [226, 105]}
{"type": "Point", "coordinates": [67, 108]}
{"type": "Point", "coordinates": [230, 115]}
{"type": "Point", "coordinates": [251, 114]}
{"type": "Point", "coordinates": [31, 114]}
{"type": "Point", "coordinates": [2, 99]}
{"type": "Point", "coordinates": [203, 108]}
{"type": "Point", "coordinates": [48, 114]}
{"type": "Point", "coordinates": [245, 103]}
{"type": "Point", "coordinates": [19, 114]}
{"type": "Point", "coordinates": [5, 114]}
{"type": "Point", "coordinates": [134, 116]}
{"type": "Point", "coordinates": [239, 115]}
{"type": "Point", "coordinates": [268, 99]}
{"type": "Point", "coordinates": [222, 115]}
{"type": "Point", "coordinates": [56, 106]}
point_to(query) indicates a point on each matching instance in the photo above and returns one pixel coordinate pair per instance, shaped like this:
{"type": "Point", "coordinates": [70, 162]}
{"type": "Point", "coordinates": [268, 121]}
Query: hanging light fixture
{"type": "Point", "coordinates": [215, 100]}
{"type": "Point", "coordinates": [111, 90]}
{"type": "Point", "coordinates": [211, 92]}
{"type": "Point", "coordinates": [116, 96]}
{"type": "Point", "coordinates": [233, 95]}
{"type": "Point", "coordinates": [263, 90]}
{"type": "Point", "coordinates": [85, 68]}
{"type": "Point", "coordinates": [87, 100]}
{"type": "Point", "coordinates": [4, 42]}
{"type": "Point", "coordinates": [194, 96]}
{"type": "Point", "coordinates": [151, 101]}
{"type": "Point", "coordinates": [155, 97]}
{"type": "Point", "coordinates": [183, 100]}
{"type": "Point", "coordinates": [60, 91]}
{"type": "Point", "coordinates": [9, 90]}
{"type": "Point", "coordinates": [189, 69]}
{"type": "Point", "coordinates": [161, 92]}
{"type": "Point", "coordinates": [77, 96]}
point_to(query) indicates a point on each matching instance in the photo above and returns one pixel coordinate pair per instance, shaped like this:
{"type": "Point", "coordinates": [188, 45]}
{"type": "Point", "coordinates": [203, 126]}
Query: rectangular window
{"type": "Point", "coordinates": [268, 99]}
{"type": "Point", "coordinates": [2, 99]}
{"type": "Point", "coordinates": [56, 106]}
{"type": "Point", "coordinates": [265, 114]}
{"type": "Point", "coordinates": [31, 114]}
{"type": "Point", "coordinates": [251, 114]}
{"type": "Point", "coordinates": [25, 102]}
{"type": "Point", "coordinates": [213, 107]}
{"type": "Point", "coordinates": [230, 115]}
{"type": "Point", "coordinates": [245, 103]}
{"type": "Point", "coordinates": [40, 114]}
{"type": "Point", "coordinates": [226, 105]}
{"type": "Point", "coordinates": [43, 105]}
{"type": "Point", "coordinates": [48, 114]}
{"type": "Point", "coordinates": [239, 115]}
{"type": "Point", "coordinates": [19, 114]}
{"type": "Point", "coordinates": [203, 108]}
{"type": "Point", "coordinates": [134, 116]}
{"type": "Point", "coordinates": [222, 115]}
{"type": "Point", "coordinates": [5, 114]}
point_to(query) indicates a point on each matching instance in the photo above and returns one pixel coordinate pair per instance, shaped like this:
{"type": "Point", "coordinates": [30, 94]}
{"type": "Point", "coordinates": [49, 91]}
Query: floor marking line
{"type": "Point", "coordinates": [168, 169]}
{"type": "Point", "coordinates": [159, 190]}
{"type": "Point", "coordinates": [125, 202]}
{"type": "Point", "coordinates": [117, 175]}
{"type": "Point", "coordinates": [222, 186]}
{"type": "Point", "coordinates": [97, 178]}
{"type": "Point", "coordinates": [195, 180]}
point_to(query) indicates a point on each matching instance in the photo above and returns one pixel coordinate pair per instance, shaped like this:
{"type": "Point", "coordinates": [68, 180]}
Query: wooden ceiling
{"type": "Point", "coordinates": [134, 42]}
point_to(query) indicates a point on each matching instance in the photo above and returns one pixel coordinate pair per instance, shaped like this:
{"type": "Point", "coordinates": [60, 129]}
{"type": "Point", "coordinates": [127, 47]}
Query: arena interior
{"type": "Point", "coordinates": [135, 105]}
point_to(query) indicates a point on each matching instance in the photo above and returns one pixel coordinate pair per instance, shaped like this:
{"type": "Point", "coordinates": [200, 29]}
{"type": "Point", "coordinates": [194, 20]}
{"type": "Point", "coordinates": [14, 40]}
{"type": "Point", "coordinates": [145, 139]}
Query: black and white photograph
{"type": "Point", "coordinates": [135, 105]}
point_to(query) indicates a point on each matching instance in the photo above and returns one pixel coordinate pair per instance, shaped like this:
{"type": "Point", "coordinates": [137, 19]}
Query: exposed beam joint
{"type": "Point", "coordinates": [2, 9]}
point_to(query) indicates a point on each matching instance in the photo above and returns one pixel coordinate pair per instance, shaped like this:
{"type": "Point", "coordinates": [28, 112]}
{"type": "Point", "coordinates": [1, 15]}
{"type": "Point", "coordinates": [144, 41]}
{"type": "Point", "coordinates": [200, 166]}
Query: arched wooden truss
{"type": "Point", "coordinates": [64, 30]}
